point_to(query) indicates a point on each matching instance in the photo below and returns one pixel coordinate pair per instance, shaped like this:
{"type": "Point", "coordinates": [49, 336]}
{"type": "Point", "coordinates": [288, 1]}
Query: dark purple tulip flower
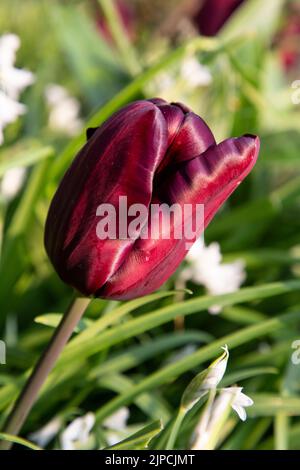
{"type": "Point", "coordinates": [150, 152]}
{"type": "Point", "coordinates": [213, 14]}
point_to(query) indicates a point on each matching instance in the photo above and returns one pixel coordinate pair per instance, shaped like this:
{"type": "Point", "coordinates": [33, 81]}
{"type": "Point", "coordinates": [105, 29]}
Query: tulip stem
{"type": "Point", "coordinates": [175, 428]}
{"type": "Point", "coordinates": [43, 367]}
{"type": "Point", "coordinates": [120, 36]}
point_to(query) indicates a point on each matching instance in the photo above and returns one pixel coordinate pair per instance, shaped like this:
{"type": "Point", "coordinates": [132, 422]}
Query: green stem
{"type": "Point", "coordinates": [281, 431]}
{"type": "Point", "coordinates": [29, 393]}
{"type": "Point", "coordinates": [208, 409]}
{"type": "Point", "coordinates": [120, 36]}
{"type": "Point", "coordinates": [175, 428]}
{"type": "Point", "coordinates": [2, 222]}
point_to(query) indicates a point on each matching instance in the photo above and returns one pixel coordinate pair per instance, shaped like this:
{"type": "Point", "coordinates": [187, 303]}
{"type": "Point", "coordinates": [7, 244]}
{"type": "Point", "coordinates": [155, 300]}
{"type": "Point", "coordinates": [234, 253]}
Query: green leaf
{"type": "Point", "coordinates": [242, 315]}
{"type": "Point", "coordinates": [135, 355]}
{"type": "Point", "coordinates": [13, 248]}
{"type": "Point", "coordinates": [280, 148]}
{"type": "Point", "coordinates": [205, 353]}
{"type": "Point", "coordinates": [263, 257]}
{"type": "Point", "coordinates": [53, 320]}
{"type": "Point", "coordinates": [150, 403]}
{"type": "Point", "coordinates": [211, 46]}
{"type": "Point", "coordinates": [204, 381]}
{"type": "Point", "coordinates": [269, 405]}
{"type": "Point", "coordinates": [236, 377]}
{"type": "Point", "coordinates": [291, 377]}
{"type": "Point", "coordinates": [93, 62]}
{"type": "Point", "coordinates": [23, 157]}
{"type": "Point", "coordinates": [140, 439]}
{"type": "Point", "coordinates": [254, 16]}
{"type": "Point", "coordinates": [120, 36]}
{"type": "Point", "coordinates": [163, 315]}
{"type": "Point", "coordinates": [114, 316]}
{"type": "Point", "coordinates": [19, 440]}
{"type": "Point", "coordinates": [293, 440]}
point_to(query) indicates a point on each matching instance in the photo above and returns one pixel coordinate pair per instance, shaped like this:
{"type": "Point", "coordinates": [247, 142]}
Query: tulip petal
{"type": "Point", "coordinates": [208, 179]}
{"type": "Point", "coordinates": [150, 152]}
{"type": "Point", "coordinates": [241, 412]}
{"type": "Point", "coordinates": [90, 132]}
{"type": "Point", "coordinates": [120, 159]}
{"type": "Point", "coordinates": [193, 138]}
{"type": "Point", "coordinates": [174, 118]}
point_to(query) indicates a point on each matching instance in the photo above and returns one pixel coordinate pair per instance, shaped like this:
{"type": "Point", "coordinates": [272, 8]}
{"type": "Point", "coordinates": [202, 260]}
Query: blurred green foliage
{"type": "Point", "coordinates": [119, 355]}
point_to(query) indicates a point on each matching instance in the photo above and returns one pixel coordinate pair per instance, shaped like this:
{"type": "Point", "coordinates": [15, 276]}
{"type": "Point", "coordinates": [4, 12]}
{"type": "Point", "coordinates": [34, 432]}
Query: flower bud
{"type": "Point", "coordinates": [150, 153]}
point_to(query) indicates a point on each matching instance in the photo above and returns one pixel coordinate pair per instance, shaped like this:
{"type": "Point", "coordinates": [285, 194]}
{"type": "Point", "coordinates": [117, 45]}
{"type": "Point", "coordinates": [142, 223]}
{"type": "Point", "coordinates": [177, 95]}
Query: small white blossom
{"type": "Point", "coordinates": [9, 44]}
{"type": "Point", "coordinates": [44, 435]}
{"type": "Point", "coordinates": [217, 369]}
{"type": "Point", "coordinates": [217, 408]}
{"type": "Point", "coordinates": [205, 381]}
{"type": "Point", "coordinates": [116, 423]}
{"type": "Point", "coordinates": [178, 83]}
{"type": "Point", "coordinates": [240, 400]}
{"type": "Point", "coordinates": [10, 110]}
{"type": "Point", "coordinates": [12, 80]}
{"type": "Point", "coordinates": [77, 433]}
{"type": "Point", "coordinates": [194, 73]}
{"type": "Point", "coordinates": [117, 420]}
{"type": "Point", "coordinates": [12, 182]}
{"type": "Point", "coordinates": [63, 110]}
{"type": "Point", "coordinates": [206, 268]}
{"type": "Point", "coordinates": [211, 420]}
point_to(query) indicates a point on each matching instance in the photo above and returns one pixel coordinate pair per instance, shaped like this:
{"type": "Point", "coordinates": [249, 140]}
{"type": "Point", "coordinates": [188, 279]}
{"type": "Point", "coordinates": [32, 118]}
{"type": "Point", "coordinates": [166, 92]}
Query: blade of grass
{"type": "Point", "coordinates": [140, 439]}
{"type": "Point", "coordinates": [169, 373]}
{"type": "Point", "coordinates": [151, 404]}
{"type": "Point", "coordinates": [19, 440]}
{"type": "Point", "coordinates": [136, 355]}
{"type": "Point", "coordinates": [25, 158]}
{"type": "Point", "coordinates": [13, 248]}
{"type": "Point", "coordinates": [281, 431]}
{"type": "Point", "coordinates": [165, 314]}
{"type": "Point", "coordinates": [115, 315]}
{"type": "Point", "coordinates": [119, 34]}
{"type": "Point", "coordinates": [270, 405]}
{"type": "Point", "coordinates": [199, 44]}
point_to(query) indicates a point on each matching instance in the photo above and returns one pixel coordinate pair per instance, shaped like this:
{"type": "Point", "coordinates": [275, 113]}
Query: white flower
{"type": "Point", "coordinates": [9, 44]}
{"type": "Point", "coordinates": [12, 182]}
{"type": "Point", "coordinates": [179, 82]}
{"type": "Point", "coordinates": [10, 110]}
{"type": "Point", "coordinates": [194, 73]}
{"type": "Point", "coordinates": [206, 268]}
{"type": "Point", "coordinates": [217, 369]}
{"type": "Point", "coordinates": [118, 419]}
{"type": "Point", "coordinates": [205, 381]}
{"type": "Point", "coordinates": [240, 400]}
{"type": "Point", "coordinates": [116, 423]}
{"type": "Point", "coordinates": [63, 110]}
{"type": "Point", "coordinates": [44, 435]}
{"type": "Point", "coordinates": [12, 80]}
{"type": "Point", "coordinates": [77, 433]}
{"type": "Point", "coordinates": [209, 421]}
{"type": "Point", "coordinates": [212, 420]}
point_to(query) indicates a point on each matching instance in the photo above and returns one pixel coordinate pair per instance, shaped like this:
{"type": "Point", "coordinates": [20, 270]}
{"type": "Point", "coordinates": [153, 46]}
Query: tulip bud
{"type": "Point", "coordinates": [150, 153]}
{"type": "Point", "coordinates": [213, 14]}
